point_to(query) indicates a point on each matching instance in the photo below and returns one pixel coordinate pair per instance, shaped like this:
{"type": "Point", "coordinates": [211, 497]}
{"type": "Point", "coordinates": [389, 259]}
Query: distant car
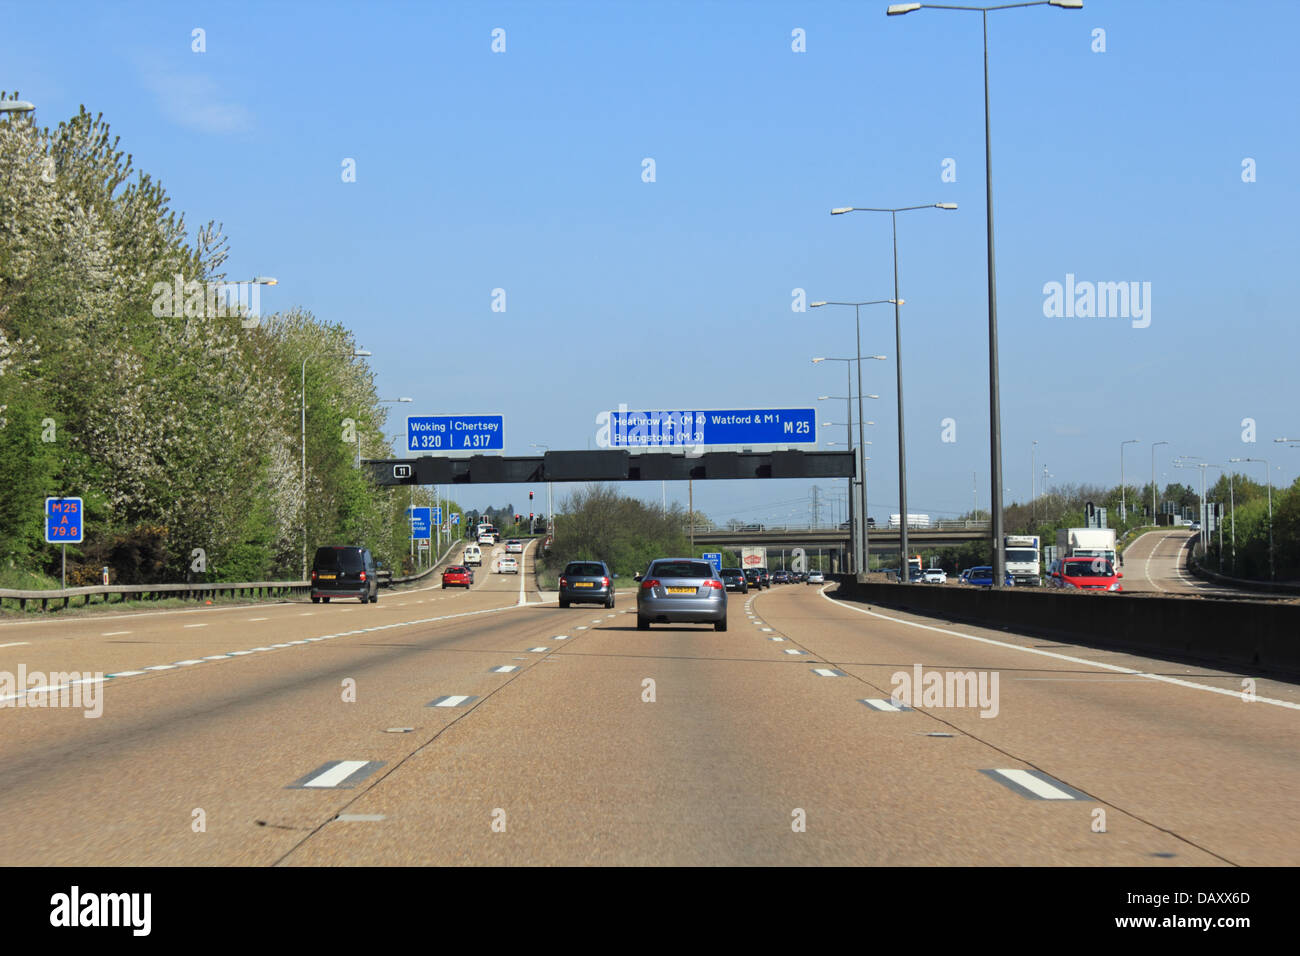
{"type": "Point", "coordinates": [735, 579]}
{"type": "Point", "coordinates": [1086, 574]}
{"type": "Point", "coordinates": [586, 582]}
{"type": "Point", "coordinates": [982, 577]}
{"type": "Point", "coordinates": [681, 591]}
{"type": "Point", "coordinates": [764, 578]}
{"type": "Point", "coordinates": [457, 576]}
{"type": "Point", "coordinates": [753, 579]}
{"type": "Point", "coordinates": [780, 576]}
{"type": "Point", "coordinates": [816, 577]}
{"type": "Point", "coordinates": [752, 527]}
{"type": "Point", "coordinates": [1196, 526]}
{"type": "Point", "coordinates": [486, 537]}
{"type": "Point", "coordinates": [916, 576]}
{"type": "Point", "coordinates": [871, 522]}
{"type": "Point", "coordinates": [964, 577]}
{"type": "Point", "coordinates": [507, 565]}
{"type": "Point", "coordinates": [344, 571]}
{"type": "Point", "coordinates": [935, 576]}
{"type": "Point", "coordinates": [514, 546]}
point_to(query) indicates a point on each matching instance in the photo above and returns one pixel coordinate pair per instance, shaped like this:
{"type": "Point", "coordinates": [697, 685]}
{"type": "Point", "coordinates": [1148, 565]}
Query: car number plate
{"type": "Point", "coordinates": [325, 577]}
{"type": "Point", "coordinates": [583, 584]}
{"type": "Point", "coordinates": [681, 590]}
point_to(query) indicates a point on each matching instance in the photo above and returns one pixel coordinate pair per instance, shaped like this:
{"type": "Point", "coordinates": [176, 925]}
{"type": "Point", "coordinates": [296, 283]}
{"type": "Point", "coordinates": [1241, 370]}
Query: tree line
{"type": "Point", "coordinates": [178, 419]}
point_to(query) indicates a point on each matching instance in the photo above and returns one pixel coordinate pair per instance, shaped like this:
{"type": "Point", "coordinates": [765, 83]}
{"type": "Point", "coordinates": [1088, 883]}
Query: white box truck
{"type": "Point", "coordinates": [1021, 554]}
{"type": "Point", "coordinates": [1086, 543]}
{"type": "Point", "coordinates": [753, 557]}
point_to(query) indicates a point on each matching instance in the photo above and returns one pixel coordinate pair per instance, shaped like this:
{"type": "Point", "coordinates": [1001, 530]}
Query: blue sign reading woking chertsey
{"type": "Point", "coordinates": [420, 523]}
{"type": "Point", "coordinates": [455, 433]}
{"type": "Point", "coordinates": [748, 426]}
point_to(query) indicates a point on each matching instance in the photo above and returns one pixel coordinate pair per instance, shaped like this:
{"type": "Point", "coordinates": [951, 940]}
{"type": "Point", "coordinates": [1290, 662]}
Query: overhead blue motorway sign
{"type": "Point", "coordinates": [746, 426]}
{"type": "Point", "coordinates": [431, 433]}
{"type": "Point", "coordinates": [63, 523]}
{"type": "Point", "coordinates": [420, 523]}
{"type": "Point", "coordinates": [714, 558]}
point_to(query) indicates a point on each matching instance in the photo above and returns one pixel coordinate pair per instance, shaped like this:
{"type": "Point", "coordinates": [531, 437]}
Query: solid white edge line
{"type": "Point", "coordinates": [1066, 657]}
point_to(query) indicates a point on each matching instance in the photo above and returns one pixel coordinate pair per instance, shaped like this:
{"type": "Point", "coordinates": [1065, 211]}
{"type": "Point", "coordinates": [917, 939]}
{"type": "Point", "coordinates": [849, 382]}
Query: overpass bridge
{"type": "Point", "coordinates": [946, 534]}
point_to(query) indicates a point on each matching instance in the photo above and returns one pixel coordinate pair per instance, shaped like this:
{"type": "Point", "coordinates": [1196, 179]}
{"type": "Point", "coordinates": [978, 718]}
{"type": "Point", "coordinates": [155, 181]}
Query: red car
{"type": "Point", "coordinates": [458, 575]}
{"type": "Point", "coordinates": [1086, 574]}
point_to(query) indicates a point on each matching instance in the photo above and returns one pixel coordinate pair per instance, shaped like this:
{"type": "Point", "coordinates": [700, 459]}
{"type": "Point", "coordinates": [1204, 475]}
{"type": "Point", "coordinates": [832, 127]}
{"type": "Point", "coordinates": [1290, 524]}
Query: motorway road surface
{"type": "Point", "coordinates": [1156, 562]}
{"type": "Point", "coordinates": [240, 719]}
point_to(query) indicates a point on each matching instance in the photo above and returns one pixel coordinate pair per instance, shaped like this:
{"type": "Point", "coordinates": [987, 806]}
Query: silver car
{"type": "Point", "coordinates": [681, 591]}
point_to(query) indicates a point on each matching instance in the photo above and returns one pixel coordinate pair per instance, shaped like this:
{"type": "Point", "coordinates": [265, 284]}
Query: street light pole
{"type": "Point", "coordinates": [1123, 507]}
{"type": "Point", "coordinates": [857, 314]}
{"type": "Point", "coordinates": [995, 406]}
{"type": "Point", "coordinates": [898, 359]}
{"type": "Point", "coordinates": [1153, 480]}
{"type": "Point", "coordinates": [1268, 475]}
{"type": "Point", "coordinates": [356, 353]}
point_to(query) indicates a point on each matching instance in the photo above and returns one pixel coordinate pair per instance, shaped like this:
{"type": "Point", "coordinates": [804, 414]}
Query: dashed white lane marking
{"type": "Point", "coordinates": [504, 669]}
{"type": "Point", "coordinates": [828, 672]}
{"type": "Point", "coordinates": [776, 638]}
{"type": "Point", "coordinates": [1035, 784]}
{"type": "Point", "coordinates": [788, 651]}
{"type": "Point", "coordinates": [560, 637]}
{"type": "Point", "coordinates": [538, 650]}
{"type": "Point", "coordinates": [338, 773]}
{"type": "Point", "coordinates": [581, 627]}
{"type": "Point", "coordinates": [194, 625]}
{"type": "Point", "coordinates": [25, 643]}
{"type": "Point", "coordinates": [306, 614]}
{"type": "Point", "coordinates": [251, 619]}
{"type": "Point", "coordinates": [1066, 657]}
{"type": "Point", "coordinates": [325, 637]}
{"type": "Point", "coordinates": [767, 629]}
{"type": "Point", "coordinates": [105, 634]}
{"type": "Point", "coordinates": [359, 817]}
{"type": "Point", "coordinates": [451, 700]}
{"type": "Point", "coordinates": [889, 706]}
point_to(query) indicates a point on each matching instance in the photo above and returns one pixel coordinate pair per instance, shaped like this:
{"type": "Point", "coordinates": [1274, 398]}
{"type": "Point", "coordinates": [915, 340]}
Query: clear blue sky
{"type": "Point", "coordinates": [522, 170]}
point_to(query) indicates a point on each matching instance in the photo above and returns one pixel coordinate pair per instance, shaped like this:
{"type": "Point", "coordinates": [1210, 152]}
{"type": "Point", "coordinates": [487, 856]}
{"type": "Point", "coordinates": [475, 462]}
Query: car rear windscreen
{"type": "Point", "coordinates": [339, 559]}
{"type": "Point", "coordinates": [580, 570]}
{"type": "Point", "coordinates": [682, 569]}
{"type": "Point", "coordinates": [1091, 568]}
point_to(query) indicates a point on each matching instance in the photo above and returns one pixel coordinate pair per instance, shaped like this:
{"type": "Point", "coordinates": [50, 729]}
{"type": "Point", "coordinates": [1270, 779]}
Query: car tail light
{"type": "Point", "coordinates": [564, 582]}
{"type": "Point", "coordinates": [604, 582]}
{"type": "Point", "coordinates": [716, 585]}
{"type": "Point", "coordinates": [313, 575]}
{"type": "Point", "coordinates": [649, 583]}
{"type": "Point", "coordinates": [363, 575]}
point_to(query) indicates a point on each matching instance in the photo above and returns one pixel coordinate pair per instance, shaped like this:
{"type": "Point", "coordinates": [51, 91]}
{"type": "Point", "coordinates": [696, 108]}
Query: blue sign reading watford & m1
{"type": "Point", "coordinates": [455, 433]}
{"type": "Point", "coordinates": [63, 523]}
{"type": "Point", "coordinates": [747, 426]}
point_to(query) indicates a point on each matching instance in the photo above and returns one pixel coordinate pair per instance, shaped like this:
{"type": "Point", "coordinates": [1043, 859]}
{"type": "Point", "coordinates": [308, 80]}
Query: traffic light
{"type": "Point", "coordinates": [530, 516]}
{"type": "Point", "coordinates": [530, 496]}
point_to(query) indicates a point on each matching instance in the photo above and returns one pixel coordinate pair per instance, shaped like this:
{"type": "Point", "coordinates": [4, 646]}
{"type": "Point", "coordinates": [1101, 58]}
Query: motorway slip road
{"type": "Point", "coordinates": [463, 727]}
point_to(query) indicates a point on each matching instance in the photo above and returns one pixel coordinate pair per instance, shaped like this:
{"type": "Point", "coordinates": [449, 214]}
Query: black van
{"type": "Point", "coordinates": [344, 571]}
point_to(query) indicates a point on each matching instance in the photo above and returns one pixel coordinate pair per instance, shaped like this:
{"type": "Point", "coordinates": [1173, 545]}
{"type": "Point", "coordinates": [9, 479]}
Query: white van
{"type": "Point", "coordinates": [472, 555]}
